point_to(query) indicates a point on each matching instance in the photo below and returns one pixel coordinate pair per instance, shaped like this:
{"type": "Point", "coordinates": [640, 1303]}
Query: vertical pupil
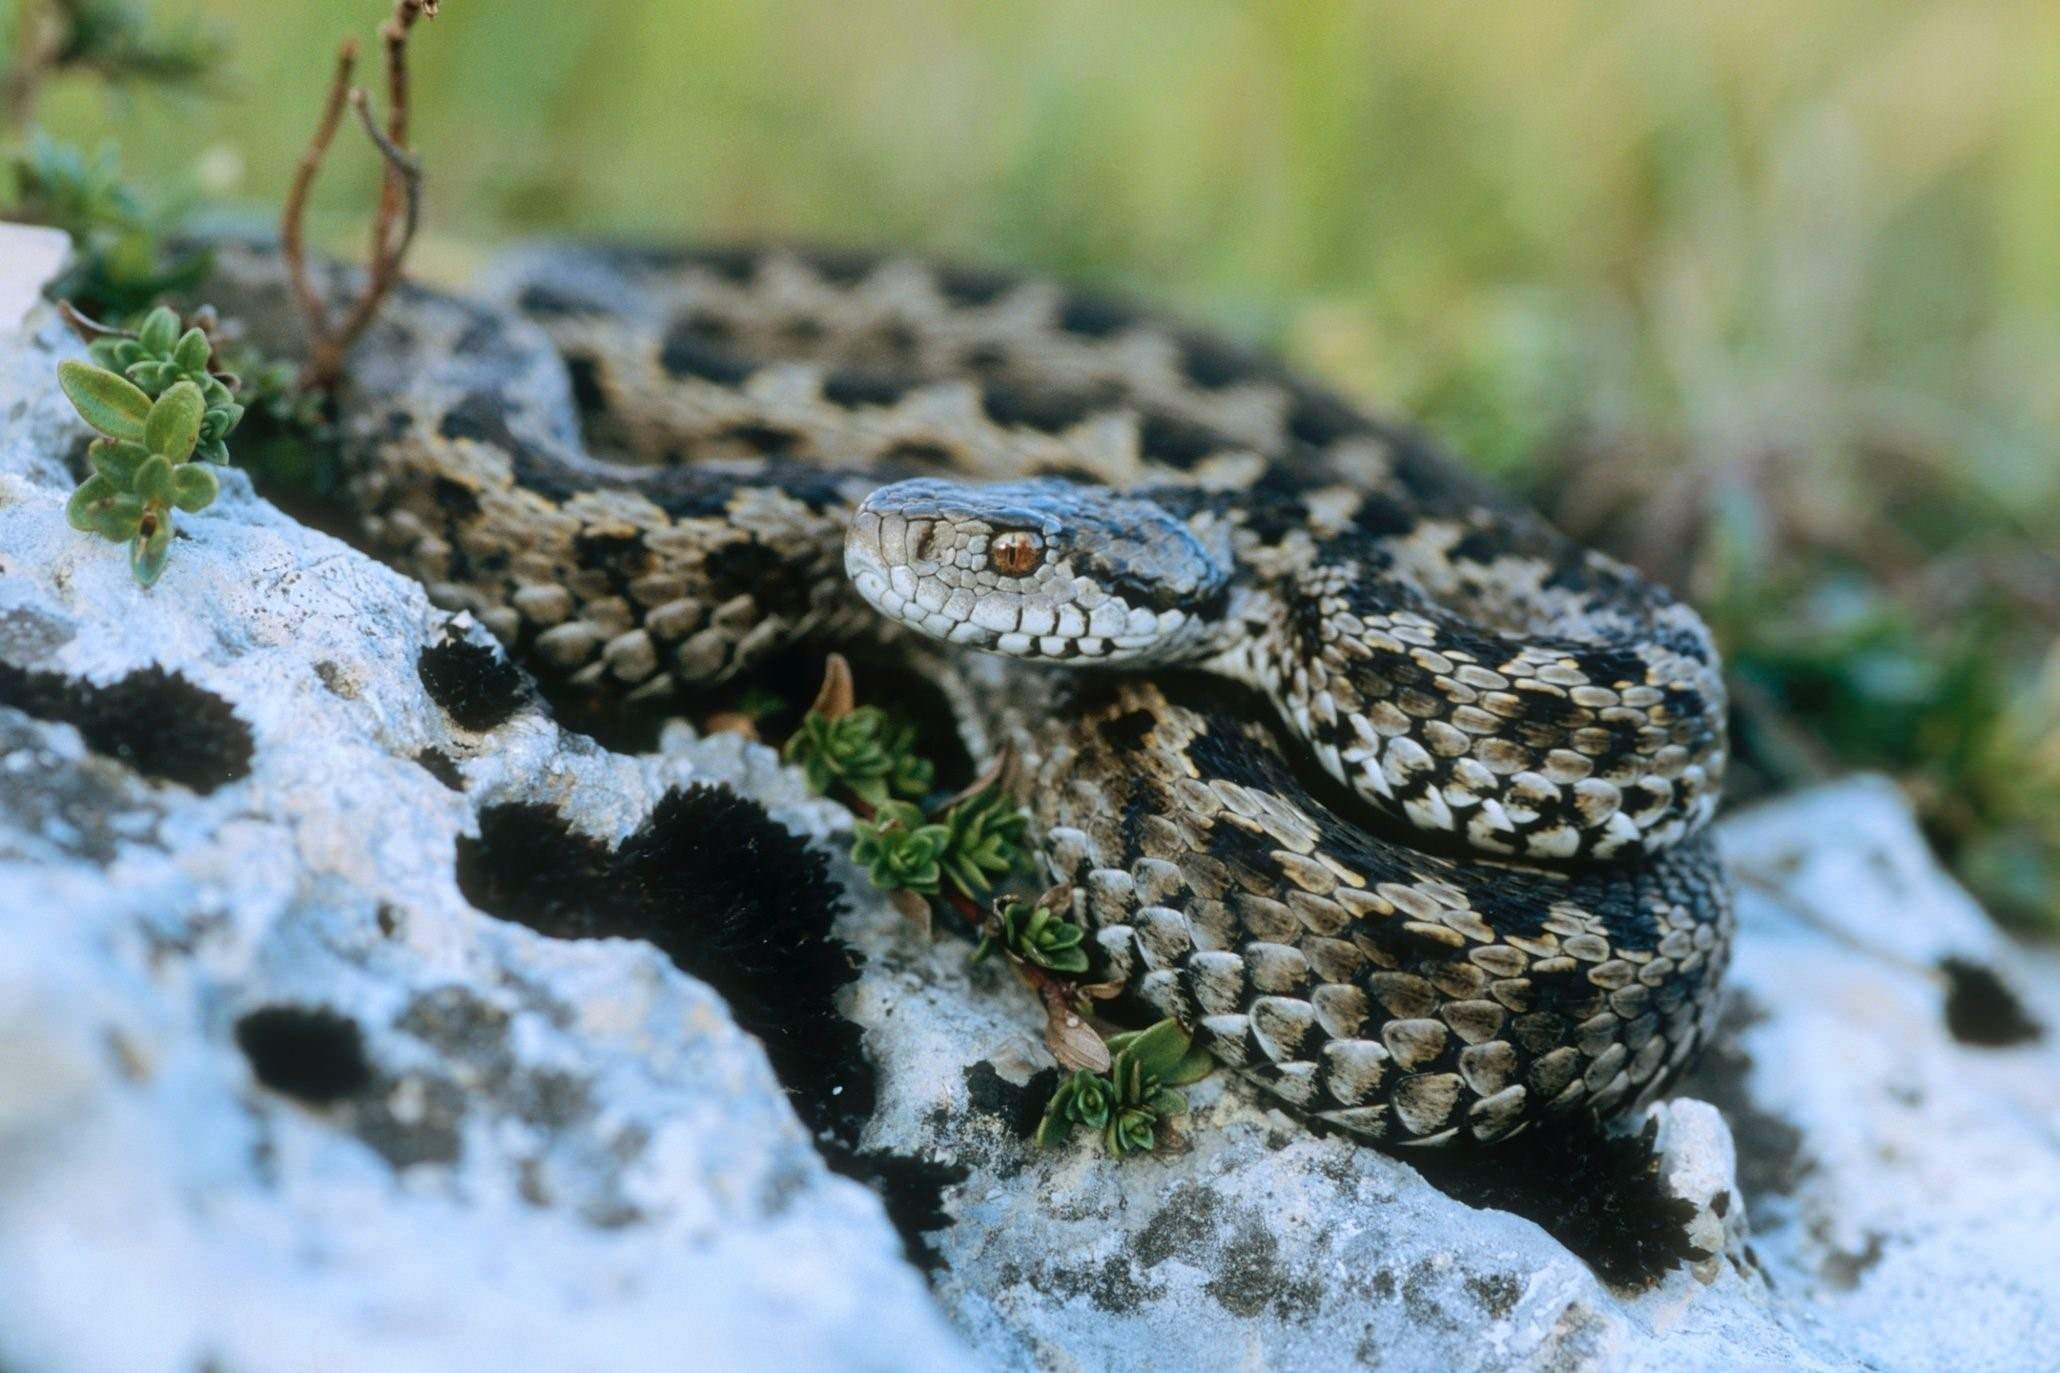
{"type": "Point", "coordinates": [1014, 553]}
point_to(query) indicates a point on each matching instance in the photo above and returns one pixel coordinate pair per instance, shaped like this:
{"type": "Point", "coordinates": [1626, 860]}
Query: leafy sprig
{"type": "Point", "coordinates": [900, 850]}
{"type": "Point", "coordinates": [163, 420]}
{"type": "Point", "coordinates": [866, 751]}
{"type": "Point", "coordinates": [122, 259]}
{"type": "Point", "coordinates": [1130, 1103]}
{"type": "Point", "coordinates": [1035, 934]}
{"type": "Point", "coordinates": [1124, 1087]}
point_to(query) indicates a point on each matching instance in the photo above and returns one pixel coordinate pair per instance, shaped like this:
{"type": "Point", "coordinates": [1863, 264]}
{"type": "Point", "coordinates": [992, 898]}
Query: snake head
{"type": "Point", "coordinates": [1037, 569]}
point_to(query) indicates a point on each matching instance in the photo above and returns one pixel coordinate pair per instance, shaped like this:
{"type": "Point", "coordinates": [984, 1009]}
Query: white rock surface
{"type": "Point", "coordinates": [573, 1158]}
{"type": "Point", "coordinates": [1910, 1217]}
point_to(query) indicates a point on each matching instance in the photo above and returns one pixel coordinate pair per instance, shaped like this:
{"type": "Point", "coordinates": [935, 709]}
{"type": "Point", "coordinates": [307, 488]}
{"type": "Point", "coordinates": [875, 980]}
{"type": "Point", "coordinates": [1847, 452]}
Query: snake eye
{"type": "Point", "coordinates": [1015, 553]}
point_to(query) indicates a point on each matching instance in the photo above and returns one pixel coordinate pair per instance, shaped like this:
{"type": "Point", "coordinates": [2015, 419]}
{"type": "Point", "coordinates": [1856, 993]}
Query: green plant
{"type": "Point", "coordinates": [985, 840]}
{"type": "Point", "coordinates": [121, 261]}
{"type": "Point", "coordinates": [1036, 935]}
{"type": "Point", "coordinates": [1141, 1089]}
{"type": "Point", "coordinates": [163, 420]}
{"type": "Point", "coordinates": [115, 40]}
{"type": "Point", "coordinates": [864, 750]}
{"type": "Point", "coordinates": [899, 849]}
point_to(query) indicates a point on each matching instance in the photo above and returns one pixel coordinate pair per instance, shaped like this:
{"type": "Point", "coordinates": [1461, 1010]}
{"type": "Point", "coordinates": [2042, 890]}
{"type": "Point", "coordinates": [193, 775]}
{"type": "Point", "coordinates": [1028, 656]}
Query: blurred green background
{"type": "Point", "coordinates": [1763, 296]}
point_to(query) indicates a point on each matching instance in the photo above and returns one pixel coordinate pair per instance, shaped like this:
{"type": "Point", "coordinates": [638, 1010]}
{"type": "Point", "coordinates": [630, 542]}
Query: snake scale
{"type": "Point", "coordinates": [1389, 792]}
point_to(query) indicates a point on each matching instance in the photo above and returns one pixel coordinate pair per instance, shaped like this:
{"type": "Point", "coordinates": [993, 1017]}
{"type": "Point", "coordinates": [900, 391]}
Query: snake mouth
{"type": "Point", "coordinates": [891, 586]}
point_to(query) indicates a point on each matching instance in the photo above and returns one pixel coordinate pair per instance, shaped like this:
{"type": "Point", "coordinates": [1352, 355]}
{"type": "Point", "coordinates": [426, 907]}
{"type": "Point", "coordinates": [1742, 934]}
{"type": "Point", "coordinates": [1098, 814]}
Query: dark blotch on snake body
{"type": "Point", "coordinates": [1378, 517]}
{"type": "Point", "coordinates": [851, 387]}
{"type": "Point", "coordinates": [686, 353]}
{"type": "Point", "coordinates": [841, 267]}
{"type": "Point", "coordinates": [1048, 411]}
{"type": "Point", "coordinates": [548, 302]}
{"type": "Point", "coordinates": [156, 722]}
{"type": "Point", "coordinates": [1320, 420]}
{"type": "Point", "coordinates": [919, 455]}
{"type": "Point", "coordinates": [1128, 732]}
{"type": "Point", "coordinates": [1177, 442]}
{"type": "Point", "coordinates": [1214, 364]}
{"type": "Point", "coordinates": [310, 1053]}
{"type": "Point", "coordinates": [477, 687]}
{"type": "Point", "coordinates": [1092, 316]}
{"type": "Point", "coordinates": [749, 567]}
{"type": "Point", "coordinates": [968, 286]}
{"type": "Point", "coordinates": [764, 439]}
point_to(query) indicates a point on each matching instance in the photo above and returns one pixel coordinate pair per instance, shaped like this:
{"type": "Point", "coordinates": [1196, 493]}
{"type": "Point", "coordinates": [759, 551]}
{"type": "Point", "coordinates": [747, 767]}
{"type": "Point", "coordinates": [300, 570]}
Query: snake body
{"type": "Point", "coordinates": [1468, 889]}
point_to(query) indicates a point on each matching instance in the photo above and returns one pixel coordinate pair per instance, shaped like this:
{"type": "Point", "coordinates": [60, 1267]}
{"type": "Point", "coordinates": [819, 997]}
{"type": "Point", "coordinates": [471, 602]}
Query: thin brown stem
{"type": "Point", "coordinates": [398, 181]}
{"type": "Point", "coordinates": [292, 241]}
{"type": "Point", "coordinates": [397, 217]}
{"type": "Point", "coordinates": [87, 327]}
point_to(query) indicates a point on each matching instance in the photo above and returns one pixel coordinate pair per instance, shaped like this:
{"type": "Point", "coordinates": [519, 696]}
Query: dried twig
{"type": "Point", "coordinates": [87, 327]}
{"type": "Point", "coordinates": [400, 198]}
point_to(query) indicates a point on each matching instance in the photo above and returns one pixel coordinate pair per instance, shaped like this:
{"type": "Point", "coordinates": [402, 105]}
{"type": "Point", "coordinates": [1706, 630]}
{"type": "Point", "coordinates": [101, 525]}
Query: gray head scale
{"type": "Point", "coordinates": [1038, 569]}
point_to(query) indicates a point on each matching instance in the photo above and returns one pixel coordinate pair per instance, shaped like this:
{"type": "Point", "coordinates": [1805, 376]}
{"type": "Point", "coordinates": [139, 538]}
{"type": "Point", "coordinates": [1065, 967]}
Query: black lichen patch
{"type": "Point", "coordinates": [157, 722]}
{"type": "Point", "coordinates": [1599, 1195]}
{"type": "Point", "coordinates": [738, 901]}
{"type": "Point", "coordinates": [310, 1053]}
{"type": "Point", "coordinates": [1017, 1108]}
{"type": "Point", "coordinates": [728, 894]}
{"type": "Point", "coordinates": [1114, 1285]}
{"type": "Point", "coordinates": [912, 1189]}
{"type": "Point", "coordinates": [1498, 1293]}
{"type": "Point", "coordinates": [477, 687]}
{"type": "Point", "coordinates": [1771, 1161]}
{"type": "Point", "coordinates": [1249, 1276]}
{"type": "Point", "coordinates": [1982, 1010]}
{"type": "Point", "coordinates": [441, 767]}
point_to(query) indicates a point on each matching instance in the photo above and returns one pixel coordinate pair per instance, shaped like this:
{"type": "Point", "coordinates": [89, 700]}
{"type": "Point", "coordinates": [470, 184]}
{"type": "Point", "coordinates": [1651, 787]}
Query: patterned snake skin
{"type": "Point", "coordinates": [1390, 793]}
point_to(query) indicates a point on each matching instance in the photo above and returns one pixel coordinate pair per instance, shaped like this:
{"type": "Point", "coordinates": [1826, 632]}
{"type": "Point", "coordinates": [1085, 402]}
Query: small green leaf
{"type": "Point", "coordinates": [104, 400]}
{"type": "Point", "coordinates": [1131, 1131]}
{"type": "Point", "coordinates": [194, 486]}
{"type": "Point", "coordinates": [118, 517]}
{"type": "Point", "coordinates": [79, 511]}
{"type": "Point", "coordinates": [173, 425]}
{"type": "Point", "coordinates": [117, 460]}
{"type": "Point", "coordinates": [1158, 1051]}
{"type": "Point", "coordinates": [1166, 1102]}
{"type": "Point", "coordinates": [154, 480]}
{"type": "Point", "coordinates": [148, 550]}
{"type": "Point", "coordinates": [160, 331]}
{"type": "Point", "coordinates": [1052, 1130]}
{"type": "Point", "coordinates": [1198, 1064]}
{"type": "Point", "coordinates": [192, 351]}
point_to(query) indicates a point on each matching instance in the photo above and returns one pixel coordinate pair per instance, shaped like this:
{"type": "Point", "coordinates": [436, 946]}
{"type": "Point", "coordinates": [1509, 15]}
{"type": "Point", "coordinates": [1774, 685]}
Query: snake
{"type": "Point", "coordinates": [1394, 796]}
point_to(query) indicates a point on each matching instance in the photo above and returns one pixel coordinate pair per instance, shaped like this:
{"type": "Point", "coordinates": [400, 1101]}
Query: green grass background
{"type": "Point", "coordinates": [1766, 296]}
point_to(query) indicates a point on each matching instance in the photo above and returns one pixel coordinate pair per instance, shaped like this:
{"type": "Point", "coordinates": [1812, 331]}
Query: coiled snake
{"type": "Point", "coordinates": [1386, 790]}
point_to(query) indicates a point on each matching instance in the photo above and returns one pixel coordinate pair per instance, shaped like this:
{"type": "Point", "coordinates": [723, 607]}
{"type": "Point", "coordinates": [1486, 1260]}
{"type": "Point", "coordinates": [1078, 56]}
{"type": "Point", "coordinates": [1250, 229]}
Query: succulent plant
{"type": "Point", "coordinates": [1140, 1090]}
{"type": "Point", "coordinates": [1035, 935]}
{"type": "Point", "coordinates": [900, 849]}
{"type": "Point", "coordinates": [1083, 1099]}
{"type": "Point", "coordinates": [986, 840]}
{"type": "Point", "coordinates": [870, 753]}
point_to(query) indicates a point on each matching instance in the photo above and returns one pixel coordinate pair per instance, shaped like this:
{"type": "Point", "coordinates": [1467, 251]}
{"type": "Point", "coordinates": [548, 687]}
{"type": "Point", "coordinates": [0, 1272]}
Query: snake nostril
{"type": "Point", "coordinates": [921, 542]}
